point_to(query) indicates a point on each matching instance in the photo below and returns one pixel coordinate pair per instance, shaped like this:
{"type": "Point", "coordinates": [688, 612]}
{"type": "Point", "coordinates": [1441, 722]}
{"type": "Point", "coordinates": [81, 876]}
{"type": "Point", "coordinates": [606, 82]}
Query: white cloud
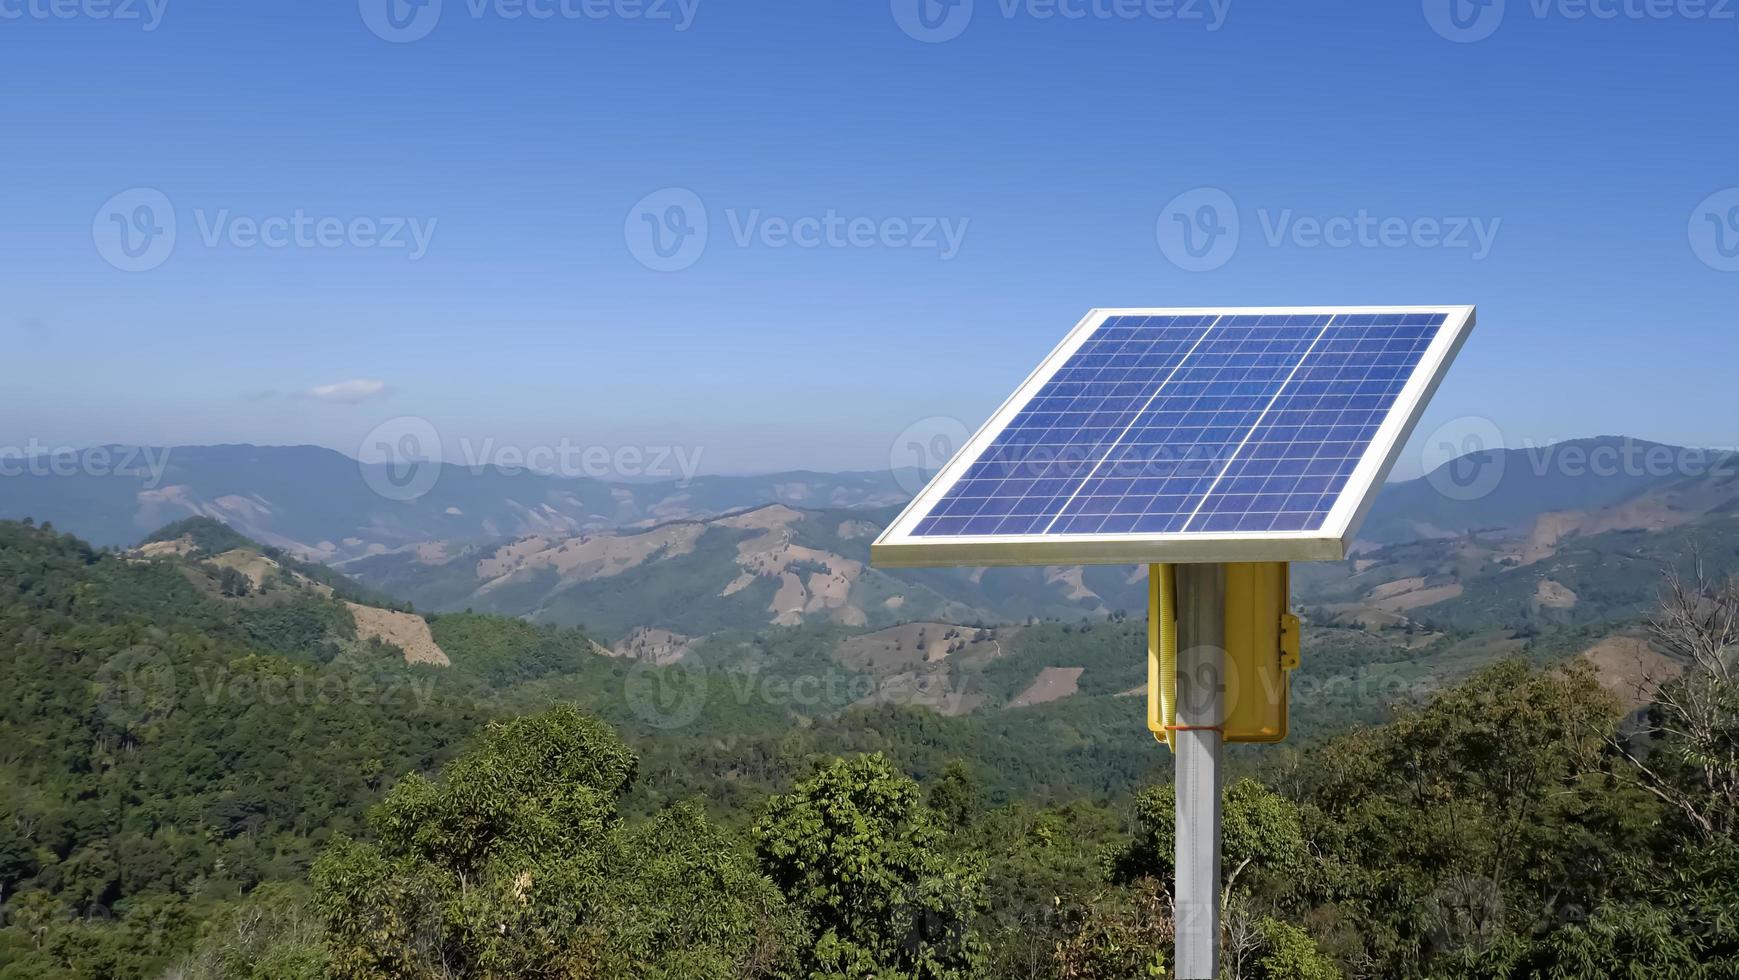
{"type": "Point", "coordinates": [349, 392]}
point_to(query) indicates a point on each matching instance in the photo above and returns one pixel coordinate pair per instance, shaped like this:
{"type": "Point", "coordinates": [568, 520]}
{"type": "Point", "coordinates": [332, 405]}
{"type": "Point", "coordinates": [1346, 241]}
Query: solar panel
{"type": "Point", "coordinates": [1207, 435]}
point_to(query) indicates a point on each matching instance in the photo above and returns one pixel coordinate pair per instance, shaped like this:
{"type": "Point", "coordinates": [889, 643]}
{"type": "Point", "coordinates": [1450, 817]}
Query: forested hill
{"type": "Point", "coordinates": [217, 765]}
{"type": "Point", "coordinates": [193, 720]}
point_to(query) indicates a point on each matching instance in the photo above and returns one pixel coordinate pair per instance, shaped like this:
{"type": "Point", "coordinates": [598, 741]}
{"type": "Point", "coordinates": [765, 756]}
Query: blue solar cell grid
{"type": "Point", "coordinates": [1167, 424]}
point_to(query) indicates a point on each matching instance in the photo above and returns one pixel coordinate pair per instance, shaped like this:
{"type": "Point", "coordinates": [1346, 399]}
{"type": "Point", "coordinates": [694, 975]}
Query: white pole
{"type": "Point", "coordinates": [1201, 671]}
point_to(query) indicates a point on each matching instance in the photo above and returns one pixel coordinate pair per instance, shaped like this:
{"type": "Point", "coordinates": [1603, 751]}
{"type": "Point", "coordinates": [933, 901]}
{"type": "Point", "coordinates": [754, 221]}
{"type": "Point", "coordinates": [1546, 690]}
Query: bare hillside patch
{"type": "Point", "coordinates": [407, 631]}
{"type": "Point", "coordinates": [1631, 668]}
{"type": "Point", "coordinates": [1052, 684]}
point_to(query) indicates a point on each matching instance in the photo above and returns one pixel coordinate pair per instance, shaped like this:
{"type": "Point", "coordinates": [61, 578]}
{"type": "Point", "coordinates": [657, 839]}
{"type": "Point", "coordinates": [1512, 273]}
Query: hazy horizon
{"type": "Point", "coordinates": [465, 221]}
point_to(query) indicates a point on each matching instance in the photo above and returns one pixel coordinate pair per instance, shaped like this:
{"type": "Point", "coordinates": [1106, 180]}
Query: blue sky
{"type": "Point", "coordinates": [985, 189]}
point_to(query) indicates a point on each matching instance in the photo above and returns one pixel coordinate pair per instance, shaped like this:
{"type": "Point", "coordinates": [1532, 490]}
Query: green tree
{"type": "Point", "coordinates": [955, 797]}
{"type": "Point", "coordinates": [231, 582]}
{"type": "Point", "coordinates": [1262, 838]}
{"type": "Point", "coordinates": [1485, 814]}
{"type": "Point", "coordinates": [1123, 934]}
{"type": "Point", "coordinates": [515, 864]}
{"type": "Point", "coordinates": [270, 935]}
{"type": "Point", "coordinates": [857, 852]}
{"type": "Point", "coordinates": [1285, 952]}
{"type": "Point", "coordinates": [1264, 859]}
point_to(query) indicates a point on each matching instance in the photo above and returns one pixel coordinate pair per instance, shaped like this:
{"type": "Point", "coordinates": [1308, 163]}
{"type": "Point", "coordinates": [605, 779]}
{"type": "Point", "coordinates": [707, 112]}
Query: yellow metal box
{"type": "Point", "coordinates": [1262, 650]}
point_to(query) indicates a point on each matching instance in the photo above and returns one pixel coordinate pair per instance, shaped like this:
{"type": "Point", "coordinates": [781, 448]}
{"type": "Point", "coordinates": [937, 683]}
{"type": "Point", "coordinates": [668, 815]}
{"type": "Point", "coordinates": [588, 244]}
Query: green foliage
{"type": "Point", "coordinates": [234, 584]}
{"type": "Point", "coordinates": [515, 863]}
{"type": "Point", "coordinates": [174, 760]}
{"type": "Point", "coordinates": [1484, 814]}
{"type": "Point", "coordinates": [301, 627]}
{"type": "Point", "coordinates": [1114, 656]}
{"type": "Point", "coordinates": [270, 935]}
{"type": "Point", "coordinates": [1287, 952]}
{"type": "Point", "coordinates": [209, 536]}
{"type": "Point", "coordinates": [1683, 923]}
{"type": "Point", "coordinates": [1119, 935]}
{"type": "Point", "coordinates": [955, 798]}
{"type": "Point", "coordinates": [157, 761]}
{"type": "Point", "coordinates": [1261, 836]}
{"type": "Point", "coordinates": [507, 651]}
{"type": "Point", "coordinates": [684, 896]}
{"type": "Point", "coordinates": [858, 854]}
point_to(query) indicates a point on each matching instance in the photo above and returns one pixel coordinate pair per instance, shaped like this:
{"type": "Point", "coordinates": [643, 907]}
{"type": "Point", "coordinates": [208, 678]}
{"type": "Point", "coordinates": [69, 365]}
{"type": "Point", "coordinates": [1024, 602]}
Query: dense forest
{"type": "Point", "coordinates": [205, 778]}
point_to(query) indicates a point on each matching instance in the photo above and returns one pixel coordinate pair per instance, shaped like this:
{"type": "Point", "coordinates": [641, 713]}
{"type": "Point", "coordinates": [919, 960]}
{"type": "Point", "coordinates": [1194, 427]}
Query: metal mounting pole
{"type": "Point", "coordinates": [1201, 688]}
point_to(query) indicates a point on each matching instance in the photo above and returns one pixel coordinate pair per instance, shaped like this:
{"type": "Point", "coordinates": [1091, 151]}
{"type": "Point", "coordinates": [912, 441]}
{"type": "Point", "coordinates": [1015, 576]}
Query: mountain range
{"type": "Point", "coordinates": [1500, 540]}
{"type": "Point", "coordinates": [325, 506]}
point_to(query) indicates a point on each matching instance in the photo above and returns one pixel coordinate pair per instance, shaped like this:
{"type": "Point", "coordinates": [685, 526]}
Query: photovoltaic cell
{"type": "Point", "coordinates": [1168, 424]}
{"type": "Point", "coordinates": [1025, 477]}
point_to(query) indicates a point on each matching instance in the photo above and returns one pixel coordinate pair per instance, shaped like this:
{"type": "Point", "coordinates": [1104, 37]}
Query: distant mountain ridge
{"type": "Point", "coordinates": [785, 549]}
{"type": "Point", "coordinates": [778, 565]}
{"type": "Point", "coordinates": [773, 565]}
{"type": "Point", "coordinates": [325, 506]}
{"type": "Point", "coordinates": [1508, 488]}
